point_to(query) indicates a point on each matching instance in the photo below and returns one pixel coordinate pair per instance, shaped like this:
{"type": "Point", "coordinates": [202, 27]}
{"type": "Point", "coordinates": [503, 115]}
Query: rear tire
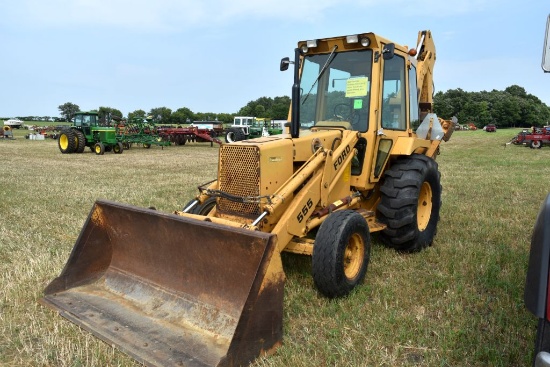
{"type": "Point", "coordinates": [67, 141]}
{"type": "Point", "coordinates": [118, 148]}
{"type": "Point", "coordinates": [234, 135]}
{"type": "Point", "coordinates": [410, 203]}
{"type": "Point", "coordinates": [341, 253]}
{"type": "Point", "coordinates": [80, 141]}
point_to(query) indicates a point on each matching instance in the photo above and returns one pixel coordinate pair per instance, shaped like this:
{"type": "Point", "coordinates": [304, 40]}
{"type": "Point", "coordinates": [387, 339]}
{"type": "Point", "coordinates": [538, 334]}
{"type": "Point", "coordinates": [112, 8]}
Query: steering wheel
{"type": "Point", "coordinates": [344, 112]}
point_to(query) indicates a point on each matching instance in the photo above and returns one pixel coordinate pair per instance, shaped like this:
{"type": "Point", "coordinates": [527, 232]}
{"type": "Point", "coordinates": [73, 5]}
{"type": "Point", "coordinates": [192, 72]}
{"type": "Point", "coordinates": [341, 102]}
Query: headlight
{"type": "Point", "coordinates": [365, 41]}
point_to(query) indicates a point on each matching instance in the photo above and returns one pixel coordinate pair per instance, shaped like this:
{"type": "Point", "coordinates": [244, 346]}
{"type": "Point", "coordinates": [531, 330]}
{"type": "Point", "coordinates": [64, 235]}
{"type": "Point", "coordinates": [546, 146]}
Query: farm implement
{"type": "Point", "coordinates": [534, 138]}
{"type": "Point", "coordinates": [139, 131]}
{"type": "Point", "coordinates": [181, 135]}
{"type": "Point", "coordinates": [146, 133]}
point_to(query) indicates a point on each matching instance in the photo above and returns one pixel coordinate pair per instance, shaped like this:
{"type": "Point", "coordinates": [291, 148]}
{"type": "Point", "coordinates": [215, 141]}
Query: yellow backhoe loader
{"type": "Point", "coordinates": [205, 288]}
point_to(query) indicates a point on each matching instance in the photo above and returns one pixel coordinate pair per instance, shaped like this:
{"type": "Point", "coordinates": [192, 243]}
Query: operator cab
{"type": "Point", "coordinates": [83, 121]}
{"type": "Point", "coordinates": [335, 88]}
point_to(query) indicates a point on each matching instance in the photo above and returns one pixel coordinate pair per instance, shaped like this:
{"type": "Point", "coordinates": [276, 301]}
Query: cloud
{"type": "Point", "coordinates": [439, 9]}
{"type": "Point", "coordinates": [157, 16]}
{"type": "Point", "coordinates": [176, 15]}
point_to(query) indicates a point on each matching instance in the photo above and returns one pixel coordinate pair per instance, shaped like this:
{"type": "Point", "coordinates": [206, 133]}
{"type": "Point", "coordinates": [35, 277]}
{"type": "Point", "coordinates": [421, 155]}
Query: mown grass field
{"type": "Point", "coordinates": [458, 303]}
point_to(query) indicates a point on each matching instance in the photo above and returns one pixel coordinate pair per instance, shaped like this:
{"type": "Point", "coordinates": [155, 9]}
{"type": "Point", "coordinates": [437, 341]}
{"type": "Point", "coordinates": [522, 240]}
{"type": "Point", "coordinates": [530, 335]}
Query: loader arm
{"type": "Point", "coordinates": [424, 77]}
{"type": "Point", "coordinates": [315, 180]}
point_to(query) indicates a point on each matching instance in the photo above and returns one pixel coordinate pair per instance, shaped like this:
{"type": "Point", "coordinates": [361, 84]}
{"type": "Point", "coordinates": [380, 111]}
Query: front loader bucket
{"type": "Point", "coordinates": [171, 290]}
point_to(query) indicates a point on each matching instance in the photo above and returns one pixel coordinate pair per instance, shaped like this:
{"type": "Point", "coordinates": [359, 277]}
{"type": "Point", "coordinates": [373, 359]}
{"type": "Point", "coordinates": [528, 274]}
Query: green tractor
{"type": "Point", "coordinates": [87, 132]}
{"type": "Point", "coordinates": [245, 127]}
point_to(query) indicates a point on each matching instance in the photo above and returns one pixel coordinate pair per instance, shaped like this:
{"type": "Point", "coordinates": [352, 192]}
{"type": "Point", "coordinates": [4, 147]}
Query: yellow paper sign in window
{"type": "Point", "coordinates": [357, 87]}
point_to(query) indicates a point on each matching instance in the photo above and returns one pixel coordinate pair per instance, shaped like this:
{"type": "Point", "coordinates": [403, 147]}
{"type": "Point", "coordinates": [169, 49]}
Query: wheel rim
{"type": "Point", "coordinates": [353, 256]}
{"type": "Point", "coordinates": [230, 137]}
{"type": "Point", "coordinates": [424, 210]}
{"type": "Point", "coordinates": [63, 141]}
{"type": "Point", "coordinates": [97, 149]}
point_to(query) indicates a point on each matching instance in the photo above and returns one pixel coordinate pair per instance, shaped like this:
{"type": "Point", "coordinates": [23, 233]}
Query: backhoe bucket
{"type": "Point", "coordinates": [171, 290]}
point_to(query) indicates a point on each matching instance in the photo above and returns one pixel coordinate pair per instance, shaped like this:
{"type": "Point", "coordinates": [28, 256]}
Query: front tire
{"type": "Point", "coordinates": [201, 209]}
{"type": "Point", "coordinates": [341, 253]}
{"type": "Point", "coordinates": [410, 203]}
{"type": "Point", "coordinates": [206, 207]}
{"type": "Point", "coordinates": [99, 148]}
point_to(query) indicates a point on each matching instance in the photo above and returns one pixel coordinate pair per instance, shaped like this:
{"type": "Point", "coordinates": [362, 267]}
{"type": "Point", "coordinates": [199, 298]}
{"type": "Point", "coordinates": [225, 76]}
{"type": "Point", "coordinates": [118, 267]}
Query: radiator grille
{"type": "Point", "coordinates": [240, 176]}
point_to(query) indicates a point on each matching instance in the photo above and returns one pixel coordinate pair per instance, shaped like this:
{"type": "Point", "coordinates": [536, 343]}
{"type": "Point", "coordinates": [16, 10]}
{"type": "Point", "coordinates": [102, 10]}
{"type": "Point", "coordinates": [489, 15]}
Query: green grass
{"type": "Point", "coordinates": [458, 303]}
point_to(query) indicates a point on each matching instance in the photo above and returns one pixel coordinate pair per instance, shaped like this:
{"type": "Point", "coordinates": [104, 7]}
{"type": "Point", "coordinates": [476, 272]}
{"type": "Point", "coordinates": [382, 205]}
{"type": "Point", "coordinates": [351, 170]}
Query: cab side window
{"type": "Point", "coordinates": [394, 102]}
{"type": "Point", "coordinates": [78, 120]}
{"type": "Point", "coordinates": [413, 98]}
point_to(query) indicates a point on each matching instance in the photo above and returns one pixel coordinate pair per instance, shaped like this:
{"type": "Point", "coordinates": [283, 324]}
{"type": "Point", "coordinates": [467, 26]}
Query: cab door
{"type": "Point", "coordinates": [393, 117]}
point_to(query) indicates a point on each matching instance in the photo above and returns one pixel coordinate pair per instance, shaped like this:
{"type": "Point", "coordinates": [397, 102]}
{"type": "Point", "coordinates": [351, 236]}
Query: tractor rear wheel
{"type": "Point", "coordinates": [99, 148]}
{"type": "Point", "coordinates": [410, 203]}
{"type": "Point", "coordinates": [341, 253]}
{"type": "Point", "coordinates": [67, 141]}
{"type": "Point", "coordinates": [118, 148]}
{"type": "Point", "coordinates": [80, 141]}
{"type": "Point", "coordinates": [234, 135]}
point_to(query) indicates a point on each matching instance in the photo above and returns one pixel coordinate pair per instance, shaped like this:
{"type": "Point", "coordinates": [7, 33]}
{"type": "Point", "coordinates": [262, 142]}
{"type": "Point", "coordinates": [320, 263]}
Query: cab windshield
{"type": "Point", "coordinates": [340, 95]}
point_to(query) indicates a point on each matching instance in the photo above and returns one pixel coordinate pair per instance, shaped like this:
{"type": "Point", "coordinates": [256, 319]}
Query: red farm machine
{"type": "Point", "coordinates": [147, 133]}
{"type": "Point", "coordinates": [534, 138]}
{"type": "Point", "coordinates": [181, 135]}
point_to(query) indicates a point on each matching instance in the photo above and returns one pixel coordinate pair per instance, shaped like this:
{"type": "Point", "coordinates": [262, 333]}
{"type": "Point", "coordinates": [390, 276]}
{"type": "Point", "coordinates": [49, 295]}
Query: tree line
{"type": "Point", "coordinates": [264, 107]}
{"type": "Point", "coordinates": [512, 107]}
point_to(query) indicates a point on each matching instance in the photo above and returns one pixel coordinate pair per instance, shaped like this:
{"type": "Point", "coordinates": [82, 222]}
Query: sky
{"type": "Point", "coordinates": [218, 55]}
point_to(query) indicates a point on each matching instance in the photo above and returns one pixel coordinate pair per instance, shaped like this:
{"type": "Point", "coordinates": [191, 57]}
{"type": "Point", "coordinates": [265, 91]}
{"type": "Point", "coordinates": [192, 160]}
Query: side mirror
{"type": "Point", "coordinates": [387, 52]}
{"type": "Point", "coordinates": [546, 49]}
{"type": "Point", "coordinates": [285, 61]}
